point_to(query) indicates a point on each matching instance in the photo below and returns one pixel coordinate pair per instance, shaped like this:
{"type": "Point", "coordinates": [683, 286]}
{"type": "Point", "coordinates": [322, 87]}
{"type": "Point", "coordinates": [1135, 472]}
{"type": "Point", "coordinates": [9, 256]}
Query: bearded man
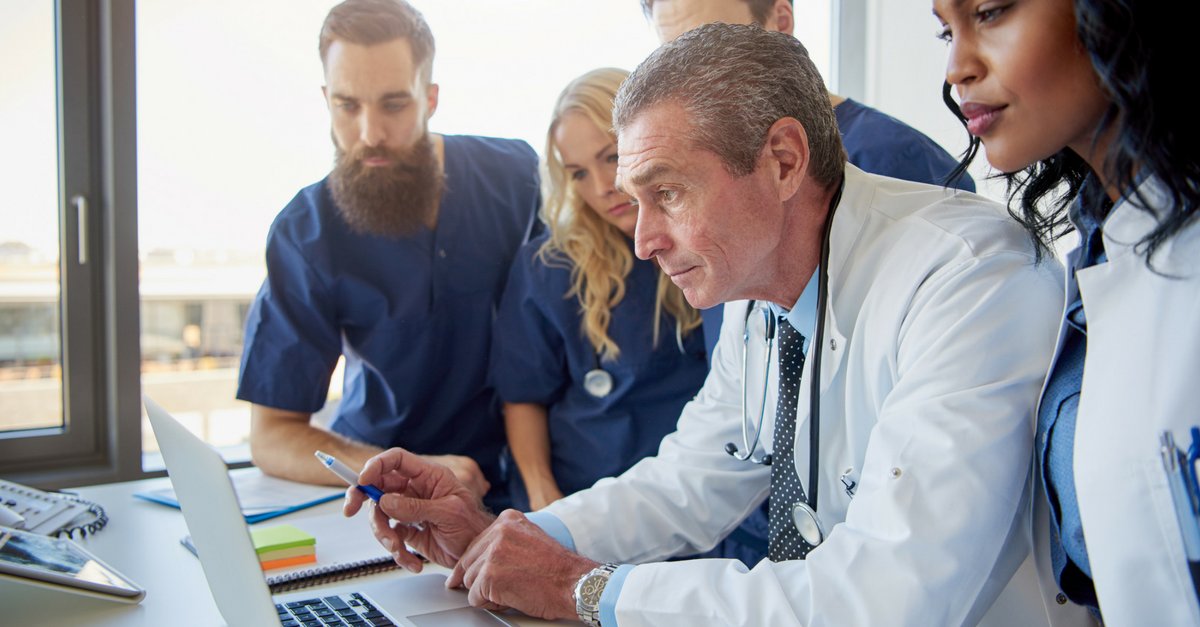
{"type": "Point", "coordinates": [395, 261]}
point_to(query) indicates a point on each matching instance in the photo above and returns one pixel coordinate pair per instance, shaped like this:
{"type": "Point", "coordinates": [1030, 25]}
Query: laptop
{"type": "Point", "coordinates": [226, 553]}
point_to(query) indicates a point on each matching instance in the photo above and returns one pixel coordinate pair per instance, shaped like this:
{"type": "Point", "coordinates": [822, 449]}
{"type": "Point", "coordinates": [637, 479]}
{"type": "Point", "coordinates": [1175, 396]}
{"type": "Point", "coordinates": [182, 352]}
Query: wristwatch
{"type": "Point", "coordinates": [588, 591]}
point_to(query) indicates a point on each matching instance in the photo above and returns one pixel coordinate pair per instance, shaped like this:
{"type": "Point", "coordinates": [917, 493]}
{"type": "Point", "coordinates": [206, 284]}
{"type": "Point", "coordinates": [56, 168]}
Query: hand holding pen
{"type": "Point", "coordinates": [424, 506]}
{"type": "Point", "coordinates": [346, 474]}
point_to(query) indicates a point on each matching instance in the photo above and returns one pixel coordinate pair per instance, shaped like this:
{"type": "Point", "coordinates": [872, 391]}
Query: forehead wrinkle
{"type": "Point", "coordinates": [648, 174]}
{"type": "Point", "coordinates": [401, 94]}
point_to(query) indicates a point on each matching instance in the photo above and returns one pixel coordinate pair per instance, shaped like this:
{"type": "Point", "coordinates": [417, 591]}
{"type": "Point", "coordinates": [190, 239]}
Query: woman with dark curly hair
{"type": "Point", "coordinates": [1079, 105]}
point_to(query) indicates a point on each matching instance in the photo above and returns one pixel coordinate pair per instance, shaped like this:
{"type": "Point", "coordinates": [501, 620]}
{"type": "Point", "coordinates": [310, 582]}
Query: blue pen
{"type": "Point", "coordinates": [1177, 481]}
{"type": "Point", "coordinates": [1193, 470]}
{"type": "Point", "coordinates": [349, 476]}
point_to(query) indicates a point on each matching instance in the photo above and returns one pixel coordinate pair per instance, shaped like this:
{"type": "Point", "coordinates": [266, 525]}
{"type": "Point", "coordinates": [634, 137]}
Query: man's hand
{"type": "Point", "coordinates": [466, 470]}
{"type": "Point", "coordinates": [515, 564]}
{"type": "Point", "coordinates": [424, 505]}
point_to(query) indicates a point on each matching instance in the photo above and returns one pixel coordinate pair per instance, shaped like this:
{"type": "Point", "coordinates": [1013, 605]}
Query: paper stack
{"type": "Point", "coordinates": [282, 546]}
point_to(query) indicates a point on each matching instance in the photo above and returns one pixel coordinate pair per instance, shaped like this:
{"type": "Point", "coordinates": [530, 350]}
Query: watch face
{"type": "Point", "coordinates": [589, 591]}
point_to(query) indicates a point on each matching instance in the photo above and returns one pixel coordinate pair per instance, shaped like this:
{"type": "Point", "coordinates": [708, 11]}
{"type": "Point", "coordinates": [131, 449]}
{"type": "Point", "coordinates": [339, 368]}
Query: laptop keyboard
{"type": "Point", "coordinates": [351, 609]}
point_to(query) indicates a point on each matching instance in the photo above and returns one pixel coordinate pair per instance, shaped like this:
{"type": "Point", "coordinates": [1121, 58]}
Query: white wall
{"type": "Point", "coordinates": [905, 67]}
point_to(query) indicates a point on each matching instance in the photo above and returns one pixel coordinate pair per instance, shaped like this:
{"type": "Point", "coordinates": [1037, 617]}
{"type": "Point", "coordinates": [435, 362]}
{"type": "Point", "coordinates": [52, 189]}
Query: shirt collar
{"type": "Point", "coordinates": [803, 314]}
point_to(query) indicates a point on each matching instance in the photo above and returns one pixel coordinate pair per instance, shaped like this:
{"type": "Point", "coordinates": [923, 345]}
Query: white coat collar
{"type": "Point", "coordinates": [1129, 222]}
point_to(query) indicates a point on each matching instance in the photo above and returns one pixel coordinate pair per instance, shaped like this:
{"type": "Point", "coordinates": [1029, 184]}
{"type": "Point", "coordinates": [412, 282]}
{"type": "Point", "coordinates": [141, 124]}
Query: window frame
{"type": "Point", "coordinates": [98, 307]}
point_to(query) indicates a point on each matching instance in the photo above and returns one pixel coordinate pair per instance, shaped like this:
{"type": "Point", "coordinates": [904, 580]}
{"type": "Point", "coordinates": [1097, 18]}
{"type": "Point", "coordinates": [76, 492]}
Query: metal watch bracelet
{"type": "Point", "coordinates": [587, 593]}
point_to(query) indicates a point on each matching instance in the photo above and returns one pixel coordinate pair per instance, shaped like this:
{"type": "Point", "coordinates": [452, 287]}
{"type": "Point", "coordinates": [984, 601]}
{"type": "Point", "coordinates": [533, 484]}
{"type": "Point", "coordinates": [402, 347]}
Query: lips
{"type": "Point", "coordinates": [980, 117]}
{"type": "Point", "coordinates": [675, 275]}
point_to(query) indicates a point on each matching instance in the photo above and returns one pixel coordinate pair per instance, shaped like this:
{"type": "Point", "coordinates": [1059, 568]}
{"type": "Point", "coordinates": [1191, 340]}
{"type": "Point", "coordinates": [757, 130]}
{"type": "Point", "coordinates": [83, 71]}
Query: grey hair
{"type": "Point", "coordinates": [734, 82]}
{"type": "Point", "coordinates": [759, 9]}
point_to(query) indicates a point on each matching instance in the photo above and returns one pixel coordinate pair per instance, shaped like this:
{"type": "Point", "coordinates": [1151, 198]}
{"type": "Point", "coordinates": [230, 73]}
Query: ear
{"type": "Point", "coordinates": [787, 151]}
{"type": "Point", "coordinates": [782, 17]}
{"type": "Point", "coordinates": [431, 99]}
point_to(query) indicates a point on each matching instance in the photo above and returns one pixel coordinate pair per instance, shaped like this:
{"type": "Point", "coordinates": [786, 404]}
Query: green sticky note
{"type": "Point", "coordinates": [280, 537]}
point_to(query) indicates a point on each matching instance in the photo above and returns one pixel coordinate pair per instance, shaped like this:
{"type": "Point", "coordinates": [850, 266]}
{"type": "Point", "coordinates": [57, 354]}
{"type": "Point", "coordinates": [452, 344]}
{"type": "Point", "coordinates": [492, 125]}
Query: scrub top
{"type": "Point", "coordinates": [540, 355]}
{"type": "Point", "coordinates": [412, 315]}
{"type": "Point", "coordinates": [880, 144]}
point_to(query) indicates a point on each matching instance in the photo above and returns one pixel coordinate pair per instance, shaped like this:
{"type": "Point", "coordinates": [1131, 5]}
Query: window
{"type": "Point", "coordinates": [61, 279]}
{"type": "Point", "coordinates": [206, 199]}
{"type": "Point", "coordinates": [30, 363]}
{"type": "Point", "coordinates": [227, 123]}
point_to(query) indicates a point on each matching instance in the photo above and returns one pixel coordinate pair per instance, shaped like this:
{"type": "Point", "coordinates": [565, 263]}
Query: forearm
{"type": "Point", "coordinates": [282, 445]}
{"type": "Point", "coordinates": [529, 441]}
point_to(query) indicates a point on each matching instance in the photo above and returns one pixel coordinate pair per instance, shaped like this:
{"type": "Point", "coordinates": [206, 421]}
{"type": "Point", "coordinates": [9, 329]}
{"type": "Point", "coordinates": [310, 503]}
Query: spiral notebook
{"type": "Point", "coordinates": [345, 549]}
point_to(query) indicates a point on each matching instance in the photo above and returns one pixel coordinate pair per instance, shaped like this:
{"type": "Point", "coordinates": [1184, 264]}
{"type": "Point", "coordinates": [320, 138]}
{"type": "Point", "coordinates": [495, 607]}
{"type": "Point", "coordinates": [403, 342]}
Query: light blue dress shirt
{"type": "Point", "coordinates": [802, 315]}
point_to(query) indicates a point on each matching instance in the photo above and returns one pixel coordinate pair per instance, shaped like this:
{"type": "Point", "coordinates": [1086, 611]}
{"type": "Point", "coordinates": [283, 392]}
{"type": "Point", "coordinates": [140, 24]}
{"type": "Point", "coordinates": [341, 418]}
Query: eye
{"type": "Point", "coordinates": [944, 34]}
{"type": "Point", "coordinates": [985, 14]}
{"type": "Point", "coordinates": [395, 107]}
{"type": "Point", "coordinates": [347, 106]}
{"type": "Point", "coordinates": [667, 196]}
{"type": "Point", "coordinates": [611, 158]}
{"type": "Point", "coordinates": [578, 175]}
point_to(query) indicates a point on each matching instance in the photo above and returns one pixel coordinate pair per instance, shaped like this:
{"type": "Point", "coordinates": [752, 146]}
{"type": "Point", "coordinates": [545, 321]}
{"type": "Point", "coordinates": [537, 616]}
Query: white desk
{"type": "Point", "coordinates": [142, 541]}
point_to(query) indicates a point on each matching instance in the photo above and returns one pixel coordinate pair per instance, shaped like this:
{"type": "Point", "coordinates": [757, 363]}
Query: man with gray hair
{"type": "Point", "coordinates": [896, 445]}
{"type": "Point", "coordinates": [874, 142]}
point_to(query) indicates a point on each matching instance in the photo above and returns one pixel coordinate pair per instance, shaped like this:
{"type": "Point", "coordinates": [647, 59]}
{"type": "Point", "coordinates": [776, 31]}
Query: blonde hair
{"type": "Point", "coordinates": [596, 252]}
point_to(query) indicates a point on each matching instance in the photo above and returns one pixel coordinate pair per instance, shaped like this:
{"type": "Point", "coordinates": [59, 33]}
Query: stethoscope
{"type": "Point", "coordinates": [804, 513]}
{"type": "Point", "coordinates": [599, 382]}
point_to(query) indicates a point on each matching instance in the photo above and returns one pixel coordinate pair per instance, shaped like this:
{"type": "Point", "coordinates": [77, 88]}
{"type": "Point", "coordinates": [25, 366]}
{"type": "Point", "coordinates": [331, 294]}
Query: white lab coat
{"type": "Point", "coordinates": [1140, 375]}
{"type": "Point", "coordinates": [938, 335]}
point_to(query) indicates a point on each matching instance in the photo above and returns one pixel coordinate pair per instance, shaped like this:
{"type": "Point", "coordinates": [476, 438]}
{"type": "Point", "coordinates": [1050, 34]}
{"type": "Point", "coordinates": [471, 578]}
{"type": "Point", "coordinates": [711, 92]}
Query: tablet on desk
{"type": "Point", "coordinates": [63, 565]}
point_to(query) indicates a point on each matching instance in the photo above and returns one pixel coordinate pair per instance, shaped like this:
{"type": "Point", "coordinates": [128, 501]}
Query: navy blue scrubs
{"type": "Point", "coordinates": [540, 355]}
{"type": "Point", "coordinates": [412, 316]}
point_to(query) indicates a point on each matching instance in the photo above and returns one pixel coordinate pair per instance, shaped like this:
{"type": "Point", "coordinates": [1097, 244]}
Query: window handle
{"type": "Point", "coordinates": [81, 223]}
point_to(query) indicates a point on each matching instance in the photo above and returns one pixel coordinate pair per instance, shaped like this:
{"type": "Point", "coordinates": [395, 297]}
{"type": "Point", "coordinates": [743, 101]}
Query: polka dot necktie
{"type": "Point", "coordinates": [785, 542]}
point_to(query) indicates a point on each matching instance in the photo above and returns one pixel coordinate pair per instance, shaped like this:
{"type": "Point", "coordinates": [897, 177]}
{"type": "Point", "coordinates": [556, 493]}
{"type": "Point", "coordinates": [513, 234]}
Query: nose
{"type": "Point", "coordinates": [649, 236]}
{"type": "Point", "coordinates": [605, 184]}
{"type": "Point", "coordinates": [371, 128]}
{"type": "Point", "coordinates": [963, 65]}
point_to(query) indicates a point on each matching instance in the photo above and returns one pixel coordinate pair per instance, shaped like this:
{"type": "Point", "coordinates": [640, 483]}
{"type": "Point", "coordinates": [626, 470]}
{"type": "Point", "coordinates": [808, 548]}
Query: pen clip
{"type": "Point", "coordinates": [1169, 451]}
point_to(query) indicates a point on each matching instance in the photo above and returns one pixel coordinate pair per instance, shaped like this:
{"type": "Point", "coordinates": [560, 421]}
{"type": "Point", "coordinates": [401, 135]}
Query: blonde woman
{"type": "Point", "coordinates": [595, 351]}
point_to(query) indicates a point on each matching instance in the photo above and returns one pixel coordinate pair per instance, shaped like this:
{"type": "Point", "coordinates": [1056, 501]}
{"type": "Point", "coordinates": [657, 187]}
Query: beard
{"type": "Point", "coordinates": [388, 201]}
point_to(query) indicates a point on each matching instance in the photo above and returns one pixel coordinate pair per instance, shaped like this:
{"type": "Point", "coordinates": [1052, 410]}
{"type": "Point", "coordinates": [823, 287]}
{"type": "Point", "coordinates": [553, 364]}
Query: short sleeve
{"type": "Point", "coordinates": [292, 339]}
{"type": "Point", "coordinates": [528, 362]}
{"type": "Point", "coordinates": [880, 144]}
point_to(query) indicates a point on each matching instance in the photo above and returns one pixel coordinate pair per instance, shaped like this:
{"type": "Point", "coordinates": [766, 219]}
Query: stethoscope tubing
{"type": "Point", "coordinates": [814, 386]}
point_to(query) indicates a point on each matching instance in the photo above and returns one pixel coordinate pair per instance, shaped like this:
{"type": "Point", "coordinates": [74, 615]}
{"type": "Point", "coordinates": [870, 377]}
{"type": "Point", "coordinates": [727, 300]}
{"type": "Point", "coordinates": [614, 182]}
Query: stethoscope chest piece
{"type": "Point", "coordinates": [598, 382]}
{"type": "Point", "coordinates": [807, 524]}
